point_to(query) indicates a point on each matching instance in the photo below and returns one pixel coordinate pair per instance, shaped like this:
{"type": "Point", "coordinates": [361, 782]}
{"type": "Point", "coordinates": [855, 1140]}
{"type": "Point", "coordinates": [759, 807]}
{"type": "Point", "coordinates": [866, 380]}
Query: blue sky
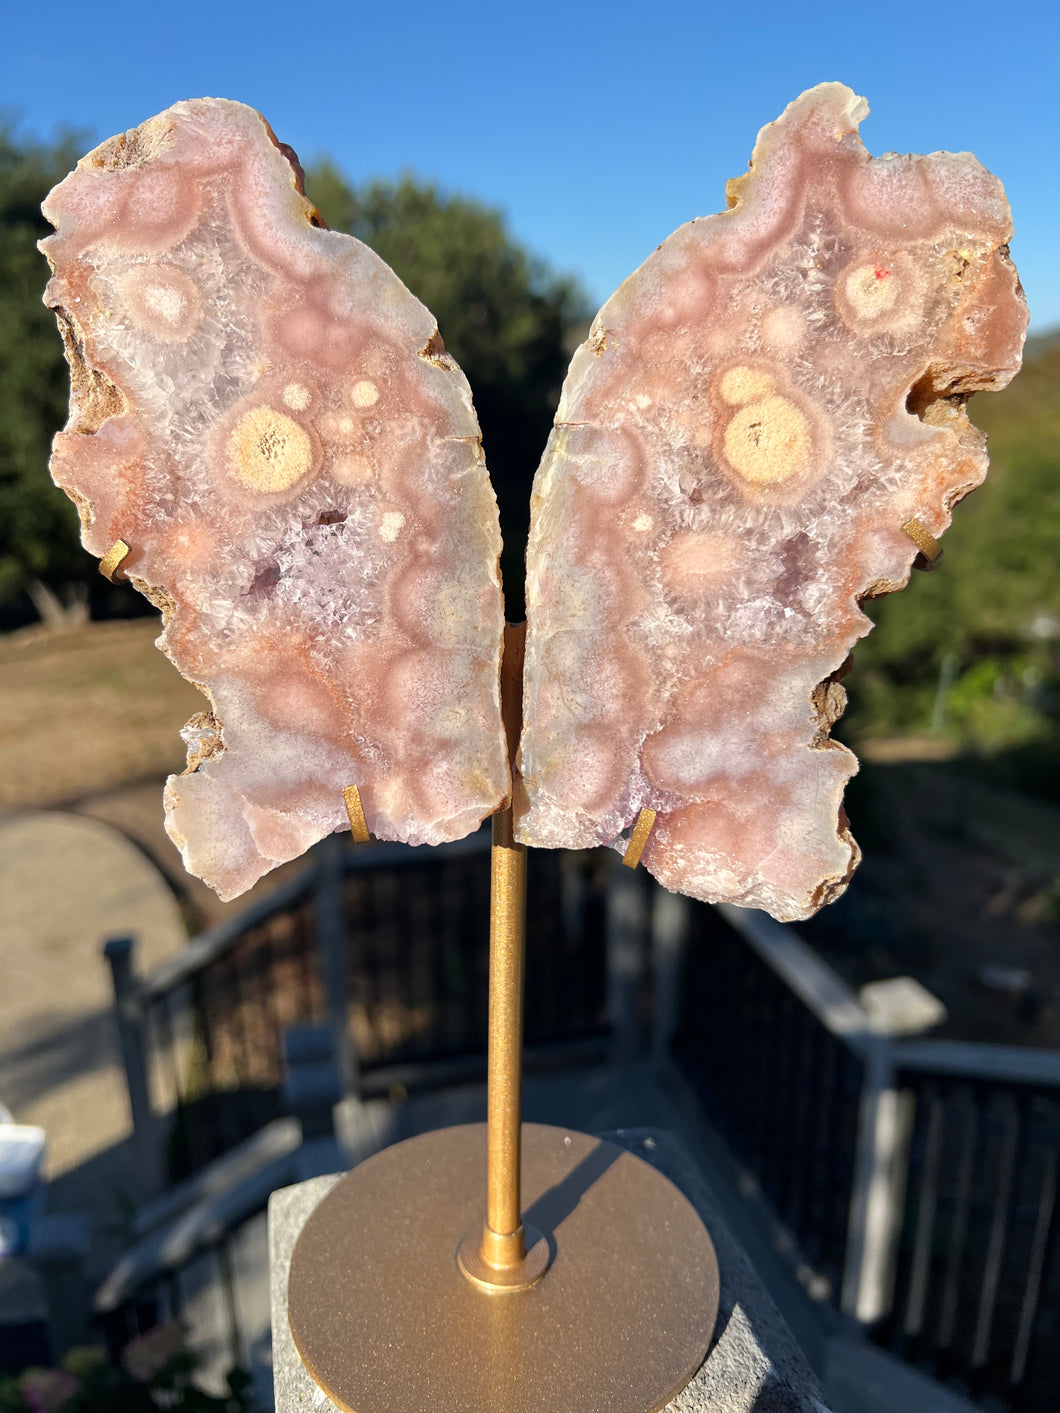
{"type": "Point", "coordinates": [597, 127]}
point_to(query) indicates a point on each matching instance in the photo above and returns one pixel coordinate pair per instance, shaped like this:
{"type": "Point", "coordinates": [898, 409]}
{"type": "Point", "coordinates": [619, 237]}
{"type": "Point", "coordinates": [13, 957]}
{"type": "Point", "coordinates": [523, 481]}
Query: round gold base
{"type": "Point", "coordinates": [385, 1320]}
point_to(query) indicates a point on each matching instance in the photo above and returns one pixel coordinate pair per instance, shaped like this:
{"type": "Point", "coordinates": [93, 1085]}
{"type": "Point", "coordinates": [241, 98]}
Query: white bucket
{"type": "Point", "coordinates": [22, 1150]}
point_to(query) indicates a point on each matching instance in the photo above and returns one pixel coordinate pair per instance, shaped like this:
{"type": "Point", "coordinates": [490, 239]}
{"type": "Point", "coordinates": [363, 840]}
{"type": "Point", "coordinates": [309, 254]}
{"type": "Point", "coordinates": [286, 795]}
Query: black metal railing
{"type": "Point", "coordinates": [171, 1294]}
{"type": "Point", "coordinates": [388, 943]}
{"type": "Point", "coordinates": [977, 1279]}
{"type": "Point", "coordinates": [419, 955]}
{"type": "Point", "coordinates": [212, 1018]}
{"type": "Point", "coordinates": [782, 1088]}
{"type": "Point", "coordinates": [920, 1177]}
{"type": "Point", "coordinates": [192, 1262]}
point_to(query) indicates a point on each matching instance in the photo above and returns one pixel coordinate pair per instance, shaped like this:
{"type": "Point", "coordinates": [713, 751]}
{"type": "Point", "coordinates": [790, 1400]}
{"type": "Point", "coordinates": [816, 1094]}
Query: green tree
{"type": "Point", "coordinates": [508, 320]}
{"type": "Point", "coordinates": [38, 526]}
{"type": "Point", "coordinates": [973, 645]}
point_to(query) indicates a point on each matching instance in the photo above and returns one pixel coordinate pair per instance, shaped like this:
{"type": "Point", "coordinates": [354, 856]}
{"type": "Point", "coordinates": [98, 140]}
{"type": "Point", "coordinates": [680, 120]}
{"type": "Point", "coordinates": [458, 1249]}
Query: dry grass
{"type": "Point", "coordinates": [89, 722]}
{"type": "Point", "coordinates": [86, 711]}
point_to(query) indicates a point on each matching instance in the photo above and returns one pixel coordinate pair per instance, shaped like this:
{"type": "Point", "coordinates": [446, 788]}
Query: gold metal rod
{"type": "Point", "coordinates": [503, 1242]}
{"type": "Point", "coordinates": [506, 1256]}
{"type": "Point", "coordinates": [504, 1231]}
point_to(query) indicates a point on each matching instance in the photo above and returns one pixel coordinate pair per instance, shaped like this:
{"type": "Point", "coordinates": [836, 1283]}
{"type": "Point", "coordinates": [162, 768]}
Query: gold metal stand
{"type": "Point", "coordinates": [598, 1295]}
{"type": "Point", "coordinates": [507, 1256]}
{"type": "Point", "coordinates": [386, 1322]}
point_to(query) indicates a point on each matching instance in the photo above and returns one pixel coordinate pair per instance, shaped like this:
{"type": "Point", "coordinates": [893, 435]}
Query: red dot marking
{"type": "Point", "coordinates": [880, 272]}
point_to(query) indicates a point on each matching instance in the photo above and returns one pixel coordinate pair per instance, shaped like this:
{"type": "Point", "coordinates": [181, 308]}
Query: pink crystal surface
{"type": "Point", "coordinates": [266, 416]}
{"type": "Point", "coordinates": [756, 413]}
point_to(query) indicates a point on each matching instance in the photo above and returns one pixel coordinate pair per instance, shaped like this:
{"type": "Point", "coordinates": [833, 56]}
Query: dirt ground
{"type": "Point", "coordinates": [85, 710]}
{"type": "Point", "coordinates": [89, 722]}
{"type": "Point", "coordinates": [958, 877]}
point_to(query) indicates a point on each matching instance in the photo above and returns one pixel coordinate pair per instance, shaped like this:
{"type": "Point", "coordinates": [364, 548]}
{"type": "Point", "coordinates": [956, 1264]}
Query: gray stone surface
{"type": "Point", "coordinates": [753, 1365]}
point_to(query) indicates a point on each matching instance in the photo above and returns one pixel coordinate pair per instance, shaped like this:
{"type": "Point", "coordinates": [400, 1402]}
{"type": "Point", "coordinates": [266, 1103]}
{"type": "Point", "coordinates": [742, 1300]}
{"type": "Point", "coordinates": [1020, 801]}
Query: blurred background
{"type": "Point", "coordinates": [513, 165]}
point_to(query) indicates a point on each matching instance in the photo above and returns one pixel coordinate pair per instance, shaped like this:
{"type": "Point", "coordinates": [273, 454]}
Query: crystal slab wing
{"type": "Point", "coordinates": [757, 413]}
{"type": "Point", "coordinates": [266, 416]}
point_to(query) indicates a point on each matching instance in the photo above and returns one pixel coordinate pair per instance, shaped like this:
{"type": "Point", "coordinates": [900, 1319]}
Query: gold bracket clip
{"type": "Point", "coordinates": [109, 564]}
{"type": "Point", "coordinates": [358, 824]}
{"type": "Point", "coordinates": [638, 838]}
{"type": "Point", "coordinates": [926, 543]}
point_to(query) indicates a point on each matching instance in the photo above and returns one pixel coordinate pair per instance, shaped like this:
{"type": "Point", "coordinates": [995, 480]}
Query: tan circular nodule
{"type": "Point", "coordinates": [694, 557]}
{"type": "Point", "coordinates": [352, 470]}
{"type": "Point", "coordinates": [742, 385]}
{"type": "Point", "coordinates": [297, 396]}
{"type": "Point", "coordinates": [163, 302]}
{"type": "Point", "coordinates": [391, 525]}
{"type": "Point", "coordinates": [269, 450]}
{"type": "Point", "coordinates": [871, 290]}
{"type": "Point", "coordinates": [768, 441]}
{"type": "Point", "coordinates": [364, 393]}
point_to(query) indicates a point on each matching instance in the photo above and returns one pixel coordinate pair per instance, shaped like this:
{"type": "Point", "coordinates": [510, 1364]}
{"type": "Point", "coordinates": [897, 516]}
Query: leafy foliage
{"type": "Point", "coordinates": [38, 525]}
{"type": "Point", "coordinates": [156, 1372]}
{"type": "Point", "coordinates": [972, 650]}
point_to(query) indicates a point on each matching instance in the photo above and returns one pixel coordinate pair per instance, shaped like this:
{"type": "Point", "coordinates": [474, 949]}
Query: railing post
{"type": "Point", "coordinates": [877, 1198]}
{"type": "Point", "coordinates": [627, 926]}
{"type": "Point", "coordinates": [669, 937]}
{"type": "Point", "coordinates": [333, 955]}
{"type": "Point", "coordinates": [312, 1085]}
{"type": "Point", "coordinates": [59, 1248]}
{"type": "Point", "coordinates": [133, 1042]}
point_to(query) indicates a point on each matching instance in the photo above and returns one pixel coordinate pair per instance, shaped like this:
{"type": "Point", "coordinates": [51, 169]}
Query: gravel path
{"type": "Point", "coordinates": [66, 884]}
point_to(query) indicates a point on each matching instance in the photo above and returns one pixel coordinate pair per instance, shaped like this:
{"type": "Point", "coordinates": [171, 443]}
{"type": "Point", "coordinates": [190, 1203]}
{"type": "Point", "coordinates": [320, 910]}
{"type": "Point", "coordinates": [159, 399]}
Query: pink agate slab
{"type": "Point", "coordinates": [265, 415]}
{"type": "Point", "coordinates": [755, 415]}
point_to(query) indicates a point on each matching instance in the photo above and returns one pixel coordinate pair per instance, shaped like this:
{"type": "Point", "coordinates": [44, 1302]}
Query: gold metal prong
{"type": "Point", "coordinates": [108, 565]}
{"type": "Point", "coordinates": [638, 838]}
{"type": "Point", "coordinates": [358, 824]}
{"type": "Point", "coordinates": [926, 543]}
